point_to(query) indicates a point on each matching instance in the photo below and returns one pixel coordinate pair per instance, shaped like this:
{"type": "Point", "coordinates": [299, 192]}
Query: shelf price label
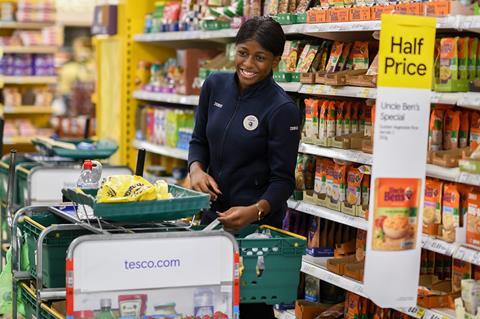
{"type": "Point", "coordinates": [405, 66]}
{"type": "Point", "coordinates": [414, 312]}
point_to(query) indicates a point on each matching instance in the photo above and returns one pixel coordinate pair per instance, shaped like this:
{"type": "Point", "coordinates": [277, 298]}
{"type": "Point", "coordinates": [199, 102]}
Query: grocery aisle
{"type": "Point", "coordinates": [152, 59]}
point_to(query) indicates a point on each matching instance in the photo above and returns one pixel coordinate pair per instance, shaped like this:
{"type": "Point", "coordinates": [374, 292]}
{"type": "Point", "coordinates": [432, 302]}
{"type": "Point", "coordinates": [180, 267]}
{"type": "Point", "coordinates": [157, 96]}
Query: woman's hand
{"type": "Point", "coordinates": [202, 182]}
{"type": "Point", "coordinates": [238, 217]}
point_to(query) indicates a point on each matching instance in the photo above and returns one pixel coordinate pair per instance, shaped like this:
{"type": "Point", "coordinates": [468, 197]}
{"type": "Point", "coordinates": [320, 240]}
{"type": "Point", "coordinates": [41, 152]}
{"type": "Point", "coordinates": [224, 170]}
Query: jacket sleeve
{"type": "Point", "coordinates": [199, 149]}
{"type": "Point", "coordinates": [284, 136]}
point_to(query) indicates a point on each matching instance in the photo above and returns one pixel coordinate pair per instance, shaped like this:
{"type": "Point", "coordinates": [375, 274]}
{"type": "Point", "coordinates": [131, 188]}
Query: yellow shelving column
{"type": "Point", "coordinates": [117, 59]}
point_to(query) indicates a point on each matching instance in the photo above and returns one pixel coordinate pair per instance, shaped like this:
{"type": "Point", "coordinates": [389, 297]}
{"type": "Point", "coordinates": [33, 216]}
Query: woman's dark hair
{"type": "Point", "coordinates": [265, 31]}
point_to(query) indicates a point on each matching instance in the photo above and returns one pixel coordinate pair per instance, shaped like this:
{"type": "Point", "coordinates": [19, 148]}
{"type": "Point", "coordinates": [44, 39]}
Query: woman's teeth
{"type": "Point", "coordinates": [247, 74]}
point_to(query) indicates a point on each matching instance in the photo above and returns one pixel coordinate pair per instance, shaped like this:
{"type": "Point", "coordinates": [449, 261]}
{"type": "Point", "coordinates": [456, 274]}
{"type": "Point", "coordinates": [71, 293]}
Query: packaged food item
{"type": "Point", "coordinates": [292, 6]}
{"type": "Point", "coordinates": [461, 270]}
{"type": "Point", "coordinates": [342, 62]}
{"type": "Point", "coordinates": [464, 191]}
{"type": "Point", "coordinates": [352, 306]}
{"type": "Point", "coordinates": [323, 130]}
{"type": "Point", "coordinates": [373, 69]}
{"type": "Point", "coordinates": [340, 120]}
{"type": "Point", "coordinates": [283, 6]}
{"type": "Point", "coordinates": [362, 118]}
{"type": "Point", "coordinates": [321, 176]}
{"type": "Point", "coordinates": [432, 206]}
{"type": "Point", "coordinates": [311, 118]}
{"type": "Point", "coordinates": [330, 170]}
{"type": "Point", "coordinates": [309, 172]}
{"type": "Point", "coordinates": [358, 58]}
{"type": "Point", "coordinates": [308, 54]}
{"type": "Point", "coordinates": [293, 56]}
{"type": "Point", "coordinates": [478, 59]}
{"type": "Point", "coordinates": [283, 64]}
{"type": "Point", "coordinates": [448, 59]}
{"type": "Point", "coordinates": [299, 181]}
{"type": "Point", "coordinates": [302, 6]}
{"type": "Point", "coordinates": [354, 186]}
{"type": "Point", "coordinates": [396, 205]}
{"type": "Point", "coordinates": [450, 212]}
{"type": "Point", "coordinates": [339, 183]}
{"type": "Point", "coordinates": [366, 190]}
{"type": "Point", "coordinates": [312, 288]}
{"type": "Point", "coordinates": [335, 55]}
{"type": "Point", "coordinates": [435, 133]}
{"type": "Point", "coordinates": [472, 58]}
{"type": "Point", "coordinates": [131, 188]}
{"type": "Point", "coordinates": [471, 295]}
{"type": "Point", "coordinates": [331, 119]}
{"type": "Point", "coordinates": [451, 129]}
{"type": "Point", "coordinates": [474, 130]}
{"type": "Point", "coordinates": [473, 219]}
{"type": "Point", "coordinates": [464, 129]}
{"type": "Point", "coordinates": [347, 123]}
{"type": "Point", "coordinates": [314, 233]}
{"type": "Point", "coordinates": [326, 45]}
{"type": "Point", "coordinates": [462, 45]}
{"type": "Point", "coordinates": [354, 127]}
{"type": "Point", "coordinates": [273, 7]}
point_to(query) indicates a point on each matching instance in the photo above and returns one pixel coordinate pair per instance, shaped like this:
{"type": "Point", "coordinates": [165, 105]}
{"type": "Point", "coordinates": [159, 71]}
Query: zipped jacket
{"type": "Point", "coordinates": [247, 142]}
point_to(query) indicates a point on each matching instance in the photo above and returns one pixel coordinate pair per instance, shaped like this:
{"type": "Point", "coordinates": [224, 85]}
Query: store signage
{"type": "Point", "coordinates": [177, 270]}
{"type": "Point", "coordinates": [399, 155]}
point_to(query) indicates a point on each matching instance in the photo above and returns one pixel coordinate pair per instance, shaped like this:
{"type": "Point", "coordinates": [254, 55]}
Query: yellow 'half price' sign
{"type": "Point", "coordinates": [406, 51]}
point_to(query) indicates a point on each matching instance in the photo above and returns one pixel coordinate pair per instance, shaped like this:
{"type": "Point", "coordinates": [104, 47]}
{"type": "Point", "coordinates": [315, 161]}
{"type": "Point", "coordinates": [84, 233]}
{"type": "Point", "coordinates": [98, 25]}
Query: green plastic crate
{"type": "Point", "coordinates": [55, 247]}
{"type": "Point", "coordinates": [185, 203]}
{"type": "Point", "coordinates": [104, 149]}
{"type": "Point", "coordinates": [29, 299]}
{"type": "Point", "coordinates": [282, 256]}
{"type": "Point", "coordinates": [4, 170]}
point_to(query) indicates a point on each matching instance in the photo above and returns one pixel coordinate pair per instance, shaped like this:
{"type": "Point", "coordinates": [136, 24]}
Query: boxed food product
{"type": "Point", "coordinates": [312, 288]}
{"type": "Point", "coordinates": [451, 129]}
{"type": "Point", "coordinates": [359, 56]}
{"type": "Point", "coordinates": [306, 58]}
{"type": "Point", "coordinates": [190, 61]}
{"type": "Point", "coordinates": [471, 295]}
{"type": "Point", "coordinates": [473, 219]}
{"type": "Point", "coordinates": [335, 55]}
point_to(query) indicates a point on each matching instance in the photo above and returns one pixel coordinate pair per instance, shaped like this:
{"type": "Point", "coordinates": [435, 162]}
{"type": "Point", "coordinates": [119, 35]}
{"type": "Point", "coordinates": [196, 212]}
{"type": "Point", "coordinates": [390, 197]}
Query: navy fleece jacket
{"type": "Point", "coordinates": [247, 142]}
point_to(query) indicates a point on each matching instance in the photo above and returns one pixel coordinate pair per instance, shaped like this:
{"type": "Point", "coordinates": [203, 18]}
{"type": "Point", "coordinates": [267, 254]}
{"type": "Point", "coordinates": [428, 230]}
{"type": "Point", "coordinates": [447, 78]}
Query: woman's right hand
{"type": "Point", "coordinates": [202, 182]}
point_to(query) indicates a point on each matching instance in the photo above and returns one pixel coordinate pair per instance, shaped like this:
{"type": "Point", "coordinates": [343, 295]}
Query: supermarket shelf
{"type": "Point", "coordinates": [28, 79]}
{"type": "Point", "coordinates": [167, 97]}
{"type": "Point", "coordinates": [31, 49]}
{"type": "Point", "coordinates": [329, 214]}
{"type": "Point", "coordinates": [347, 91]}
{"type": "Point", "coordinates": [439, 246]}
{"type": "Point", "coordinates": [336, 153]}
{"type": "Point", "coordinates": [186, 35]}
{"type": "Point", "coordinates": [25, 25]}
{"type": "Point", "coordinates": [161, 150]}
{"type": "Point", "coordinates": [316, 268]}
{"type": "Point", "coordinates": [290, 86]}
{"type": "Point", "coordinates": [27, 109]}
{"type": "Point", "coordinates": [453, 175]}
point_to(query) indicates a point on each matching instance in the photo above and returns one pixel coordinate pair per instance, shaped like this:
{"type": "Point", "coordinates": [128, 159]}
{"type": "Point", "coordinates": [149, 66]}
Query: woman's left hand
{"type": "Point", "coordinates": [238, 217]}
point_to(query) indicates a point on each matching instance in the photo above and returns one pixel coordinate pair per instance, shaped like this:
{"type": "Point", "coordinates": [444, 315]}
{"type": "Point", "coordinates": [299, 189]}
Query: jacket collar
{"type": "Point", "coordinates": [254, 89]}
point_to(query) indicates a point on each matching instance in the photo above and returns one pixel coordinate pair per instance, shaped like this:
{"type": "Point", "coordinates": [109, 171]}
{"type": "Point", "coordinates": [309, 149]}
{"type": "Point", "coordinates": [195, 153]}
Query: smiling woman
{"type": "Point", "coordinates": [244, 145]}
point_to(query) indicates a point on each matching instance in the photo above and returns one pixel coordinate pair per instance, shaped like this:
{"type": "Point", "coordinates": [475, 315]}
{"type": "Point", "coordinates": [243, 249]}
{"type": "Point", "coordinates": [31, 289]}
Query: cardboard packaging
{"type": "Point", "coordinates": [190, 61]}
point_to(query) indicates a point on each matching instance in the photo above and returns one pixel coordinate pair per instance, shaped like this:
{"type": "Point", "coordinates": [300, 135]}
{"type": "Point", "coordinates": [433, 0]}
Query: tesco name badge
{"type": "Point", "coordinates": [250, 122]}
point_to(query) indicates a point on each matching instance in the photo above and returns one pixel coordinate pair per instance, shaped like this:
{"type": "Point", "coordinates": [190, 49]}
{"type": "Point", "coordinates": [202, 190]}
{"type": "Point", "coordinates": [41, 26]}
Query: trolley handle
{"type": "Point", "coordinates": [140, 162]}
{"type": "Point", "coordinates": [11, 187]}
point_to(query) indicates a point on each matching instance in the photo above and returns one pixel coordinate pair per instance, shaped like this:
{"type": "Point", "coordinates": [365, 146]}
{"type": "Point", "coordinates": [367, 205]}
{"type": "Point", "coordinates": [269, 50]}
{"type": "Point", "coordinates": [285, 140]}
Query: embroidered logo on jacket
{"type": "Point", "coordinates": [218, 104]}
{"type": "Point", "coordinates": [250, 122]}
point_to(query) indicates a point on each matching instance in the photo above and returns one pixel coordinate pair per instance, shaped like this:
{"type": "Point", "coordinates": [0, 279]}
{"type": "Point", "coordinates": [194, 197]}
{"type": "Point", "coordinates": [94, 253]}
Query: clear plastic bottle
{"type": "Point", "coordinates": [105, 310]}
{"type": "Point", "coordinates": [203, 302]}
{"type": "Point", "coordinates": [90, 175]}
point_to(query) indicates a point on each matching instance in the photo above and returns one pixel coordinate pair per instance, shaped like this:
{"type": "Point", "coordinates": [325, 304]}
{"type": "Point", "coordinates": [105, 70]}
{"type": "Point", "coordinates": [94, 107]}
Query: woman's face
{"type": "Point", "coordinates": [253, 63]}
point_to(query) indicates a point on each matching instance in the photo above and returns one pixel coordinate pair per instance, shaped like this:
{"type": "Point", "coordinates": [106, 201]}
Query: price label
{"type": "Point", "coordinates": [414, 312]}
{"type": "Point", "coordinates": [365, 92]}
{"type": "Point", "coordinates": [467, 178]}
{"type": "Point", "coordinates": [440, 247]}
{"type": "Point", "coordinates": [309, 89]}
{"type": "Point", "coordinates": [425, 241]}
{"type": "Point", "coordinates": [333, 91]}
{"type": "Point", "coordinates": [432, 315]}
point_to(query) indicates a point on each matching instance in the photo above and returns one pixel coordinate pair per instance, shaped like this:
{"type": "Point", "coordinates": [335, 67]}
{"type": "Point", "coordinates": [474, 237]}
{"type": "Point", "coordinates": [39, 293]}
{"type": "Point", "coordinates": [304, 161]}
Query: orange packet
{"type": "Point", "coordinates": [435, 132]}
{"type": "Point", "coordinates": [347, 124]}
{"type": "Point", "coordinates": [397, 202]}
{"type": "Point", "coordinates": [464, 190]}
{"type": "Point", "coordinates": [361, 117]}
{"type": "Point", "coordinates": [473, 219]}
{"type": "Point", "coordinates": [432, 205]}
{"type": "Point", "coordinates": [448, 59]}
{"type": "Point", "coordinates": [451, 129]}
{"type": "Point", "coordinates": [354, 115]}
{"type": "Point", "coordinates": [474, 130]}
{"type": "Point", "coordinates": [358, 58]}
{"type": "Point", "coordinates": [461, 270]}
{"type": "Point", "coordinates": [464, 129]}
{"type": "Point", "coordinates": [331, 119]}
{"type": "Point", "coordinates": [330, 178]}
{"type": "Point", "coordinates": [354, 186]}
{"type": "Point", "coordinates": [322, 131]}
{"type": "Point", "coordinates": [311, 118]}
{"type": "Point", "coordinates": [340, 121]}
{"type": "Point", "coordinates": [352, 306]}
{"type": "Point", "coordinates": [450, 212]}
{"type": "Point", "coordinates": [335, 55]}
{"type": "Point", "coordinates": [360, 244]}
{"type": "Point", "coordinates": [337, 192]}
